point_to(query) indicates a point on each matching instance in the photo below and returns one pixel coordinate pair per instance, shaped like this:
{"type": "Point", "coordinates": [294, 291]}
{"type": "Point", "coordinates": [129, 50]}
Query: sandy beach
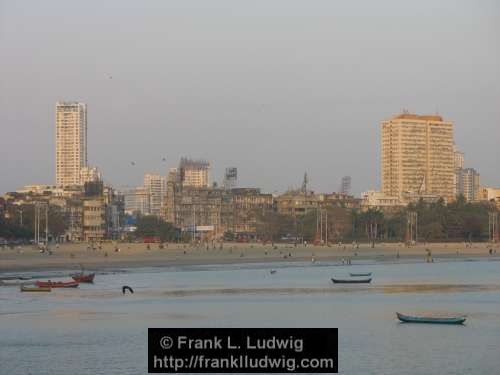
{"type": "Point", "coordinates": [71, 256]}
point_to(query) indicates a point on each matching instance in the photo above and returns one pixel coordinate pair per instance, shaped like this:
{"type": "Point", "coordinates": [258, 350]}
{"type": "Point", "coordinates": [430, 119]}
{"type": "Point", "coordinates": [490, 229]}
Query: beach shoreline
{"type": "Point", "coordinates": [135, 255]}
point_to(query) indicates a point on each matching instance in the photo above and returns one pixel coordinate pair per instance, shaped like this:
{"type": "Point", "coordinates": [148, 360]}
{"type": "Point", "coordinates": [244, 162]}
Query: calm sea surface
{"type": "Point", "coordinates": [96, 330]}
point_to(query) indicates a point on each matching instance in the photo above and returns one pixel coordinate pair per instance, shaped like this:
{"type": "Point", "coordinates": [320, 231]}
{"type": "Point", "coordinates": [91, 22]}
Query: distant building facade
{"type": "Point", "coordinates": [91, 212]}
{"type": "Point", "coordinates": [136, 201]}
{"type": "Point", "coordinates": [345, 185]}
{"type": "Point", "coordinates": [458, 158]}
{"type": "Point", "coordinates": [468, 184]}
{"type": "Point", "coordinates": [379, 200]}
{"type": "Point", "coordinates": [297, 202]}
{"type": "Point", "coordinates": [94, 219]}
{"type": "Point", "coordinates": [340, 200]}
{"type": "Point", "coordinates": [155, 187]}
{"type": "Point", "coordinates": [89, 174]}
{"type": "Point", "coordinates": [490, 194]}
{"type": "Point", "coordinates": [459, 162]}
{"type": "Point", "coordinates": [230, 178]}
{"type": "Point", "coordinates": [214, 210]}
{"type": "Point", "coordinates": [194, 173]}
{"type": "Point", "coordinates": [246, 203]}
{"type": "Point", "coordinates": [173, 189]}
{"type": "Point", "coordinates": [71, 142]}
{"type": "Point", "coordinates": [417, 156]}
{"type": "Point", "coordinates": [300, 202]}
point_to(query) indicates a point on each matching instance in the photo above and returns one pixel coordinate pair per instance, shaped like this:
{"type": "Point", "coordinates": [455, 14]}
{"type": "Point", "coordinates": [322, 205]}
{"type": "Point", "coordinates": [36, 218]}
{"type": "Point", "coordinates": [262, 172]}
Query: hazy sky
{"type": "Point", "coordinates": [274, 88]}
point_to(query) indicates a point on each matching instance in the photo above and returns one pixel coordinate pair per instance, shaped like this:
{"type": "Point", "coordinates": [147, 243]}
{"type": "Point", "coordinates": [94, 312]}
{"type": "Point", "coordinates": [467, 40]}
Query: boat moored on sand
{"type": "Point", "coordinates": [57, 284]}
{"type": "Point", "coordinates": [25, 288]}
{"type": "Point", "coordinates": [84, 277]}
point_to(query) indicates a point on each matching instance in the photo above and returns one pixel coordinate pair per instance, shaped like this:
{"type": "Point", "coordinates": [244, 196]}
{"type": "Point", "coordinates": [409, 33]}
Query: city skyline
{"type": "Point", "coordinates": [313, 104]}
{"type": "Point", "coordinates": [208, 179]}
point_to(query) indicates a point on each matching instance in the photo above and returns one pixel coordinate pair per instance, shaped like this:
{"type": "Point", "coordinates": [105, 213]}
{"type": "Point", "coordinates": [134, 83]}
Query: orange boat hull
{"type": "Point", "coordinates": [56, 284]}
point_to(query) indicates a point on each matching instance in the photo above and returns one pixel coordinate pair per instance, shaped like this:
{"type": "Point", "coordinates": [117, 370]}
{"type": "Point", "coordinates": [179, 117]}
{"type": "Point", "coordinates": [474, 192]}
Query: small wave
{"type": "Point", "coordinates": [412, 288]}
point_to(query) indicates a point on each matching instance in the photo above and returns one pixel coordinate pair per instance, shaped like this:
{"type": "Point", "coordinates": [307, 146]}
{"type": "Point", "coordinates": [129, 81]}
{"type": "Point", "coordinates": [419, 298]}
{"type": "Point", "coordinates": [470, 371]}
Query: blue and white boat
{"type": "Point", "coordinates": [430, 319]}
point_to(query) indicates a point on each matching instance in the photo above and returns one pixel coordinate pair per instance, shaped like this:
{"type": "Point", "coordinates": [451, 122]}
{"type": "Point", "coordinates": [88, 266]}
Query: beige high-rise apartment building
{"type": "Point", "coordinates": [417, 156]}
{"type": "Point", "coordinates": [71, 142]}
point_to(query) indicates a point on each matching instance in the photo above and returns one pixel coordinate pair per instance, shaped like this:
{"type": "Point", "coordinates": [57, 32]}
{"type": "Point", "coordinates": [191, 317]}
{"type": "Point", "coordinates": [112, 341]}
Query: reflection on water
{"type": "Point", "coordinates": [95, 329]}
{"type": "Point", "coordinates": [394, 288]}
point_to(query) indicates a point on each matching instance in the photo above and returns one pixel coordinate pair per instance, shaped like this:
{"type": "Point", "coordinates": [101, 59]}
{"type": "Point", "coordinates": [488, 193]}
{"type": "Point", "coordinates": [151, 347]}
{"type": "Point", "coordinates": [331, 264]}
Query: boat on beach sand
{"type": "Point", "coordinates": [83, 277]}
{"type": "Point", "coordinates": [57, 284]}
{"type": "Point", "coordinates": [25, 288]}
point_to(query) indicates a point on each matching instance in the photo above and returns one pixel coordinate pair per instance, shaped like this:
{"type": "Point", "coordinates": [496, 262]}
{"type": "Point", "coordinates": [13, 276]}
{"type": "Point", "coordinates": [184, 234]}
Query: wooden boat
{"type": "Point", "coordinates": [351, 281]}
{"type": "Point", "coordinates": [84, 278]}
{"type": "Point", "coordinates": [57, 284]}
{"type": "Point", "coordinates": [431, 319]}
{"type": "Point", "coordinates": [25, 288]}
{"type": "Point", "coordinates": [360, 274]}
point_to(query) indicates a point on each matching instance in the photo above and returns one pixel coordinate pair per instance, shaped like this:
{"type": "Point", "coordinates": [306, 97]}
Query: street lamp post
{"type": "Point", "coordinates": [493, 226]}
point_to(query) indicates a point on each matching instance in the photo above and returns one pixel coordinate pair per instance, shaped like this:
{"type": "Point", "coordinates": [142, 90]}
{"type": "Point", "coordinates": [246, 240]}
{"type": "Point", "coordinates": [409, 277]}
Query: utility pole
{"type": "Point", "coordinates": [493, 226]}
{"type": "Point", "coordinates": [38, 219]}
{"type": "Point", "coordinates": [412, 226]}
{"type": "Point", "coordinates": [35, 222]}
{"type": "Point", "coordinates": [326, 225]}
{"type": "Point", "coordinates": [321, 226]}
{"type": "Point", "coordinates": [47, 224]}
{"type": "Point", "coordinates": [317, 221]}
{"type": "Point", "coordinates": [194, 223]}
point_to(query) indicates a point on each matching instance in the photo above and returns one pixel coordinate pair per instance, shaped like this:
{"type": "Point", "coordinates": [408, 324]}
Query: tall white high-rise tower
{"type": "Point", "coordinates": [71, 142]}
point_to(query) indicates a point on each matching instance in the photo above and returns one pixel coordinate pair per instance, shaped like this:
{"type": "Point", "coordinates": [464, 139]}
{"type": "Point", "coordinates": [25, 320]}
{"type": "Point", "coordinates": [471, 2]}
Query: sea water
{"type": "Point", "coordinates": [95, 329]}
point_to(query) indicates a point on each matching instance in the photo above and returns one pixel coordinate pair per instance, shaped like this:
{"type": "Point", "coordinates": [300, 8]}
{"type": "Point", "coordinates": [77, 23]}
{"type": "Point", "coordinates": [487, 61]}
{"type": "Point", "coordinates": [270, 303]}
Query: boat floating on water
{"type": "Point", "coordinates": [351, 281]}
{"type": "Point", "coordinates": [25, 288]}
{"type": "Point", "coordinates": [431, 319]}
{"type": "Point", "coordinates": [57, 284]}
{"type": "Point", "coordinates": [360, 274]}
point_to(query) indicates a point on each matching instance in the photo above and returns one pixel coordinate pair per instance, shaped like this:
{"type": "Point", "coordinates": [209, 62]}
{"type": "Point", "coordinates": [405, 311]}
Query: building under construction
{"type": "Point", "coordinates": [194, 173]}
